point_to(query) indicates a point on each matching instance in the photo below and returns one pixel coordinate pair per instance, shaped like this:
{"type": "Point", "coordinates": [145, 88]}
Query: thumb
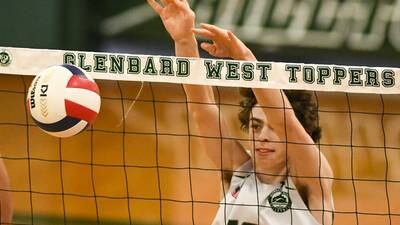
{"type": "Point", "coordinates": [210, 48]}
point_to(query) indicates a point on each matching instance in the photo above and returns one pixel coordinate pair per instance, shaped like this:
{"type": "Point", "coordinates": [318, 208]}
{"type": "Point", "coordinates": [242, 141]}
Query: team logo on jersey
{"type": "Point", "coordinates": [5, 58]}
{"type": "Point", "coordinates": [279, 201]}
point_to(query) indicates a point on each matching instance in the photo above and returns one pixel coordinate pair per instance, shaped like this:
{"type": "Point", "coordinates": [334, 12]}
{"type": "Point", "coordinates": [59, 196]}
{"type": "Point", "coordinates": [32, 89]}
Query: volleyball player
{"type": "Point", "coordinates": [286, 179]}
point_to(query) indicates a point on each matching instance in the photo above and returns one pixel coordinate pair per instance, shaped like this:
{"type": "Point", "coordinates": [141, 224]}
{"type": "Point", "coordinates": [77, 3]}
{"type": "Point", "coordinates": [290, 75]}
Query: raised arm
{"type": "Point", "coordinates": [304, 159]}
{"type": "Point", "coordinates": [226, 44]}
{"type": "Point", "coordinates": [179, 20]}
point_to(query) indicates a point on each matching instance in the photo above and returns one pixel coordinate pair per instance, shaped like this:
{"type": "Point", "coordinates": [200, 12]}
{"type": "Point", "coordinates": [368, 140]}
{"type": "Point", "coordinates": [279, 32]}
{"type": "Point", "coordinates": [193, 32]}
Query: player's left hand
{"type": "Point", "coordinates": [224, 43]}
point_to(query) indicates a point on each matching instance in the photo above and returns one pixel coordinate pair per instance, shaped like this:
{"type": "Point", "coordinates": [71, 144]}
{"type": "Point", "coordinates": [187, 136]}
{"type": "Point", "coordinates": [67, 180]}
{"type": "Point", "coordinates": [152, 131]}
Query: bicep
{"type": "Point", "coordinates": [320, 199]}
{"type": "Point", "coordinates": [316, 177]}
{"type": "Point", "coordinates": [322, 209]}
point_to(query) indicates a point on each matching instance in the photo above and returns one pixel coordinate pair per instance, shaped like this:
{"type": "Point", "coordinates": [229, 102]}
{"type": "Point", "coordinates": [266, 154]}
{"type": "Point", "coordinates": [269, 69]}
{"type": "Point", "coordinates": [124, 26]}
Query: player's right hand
{"type": "Point", "coordinates": [177, 17]}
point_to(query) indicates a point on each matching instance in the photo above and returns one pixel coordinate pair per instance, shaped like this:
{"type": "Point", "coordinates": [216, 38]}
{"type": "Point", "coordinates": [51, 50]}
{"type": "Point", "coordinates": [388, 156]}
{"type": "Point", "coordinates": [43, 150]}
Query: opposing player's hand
{"type": "Point", "coordinates": [177, 17]}
{"type": "Point", "coordinates": [224, 43]}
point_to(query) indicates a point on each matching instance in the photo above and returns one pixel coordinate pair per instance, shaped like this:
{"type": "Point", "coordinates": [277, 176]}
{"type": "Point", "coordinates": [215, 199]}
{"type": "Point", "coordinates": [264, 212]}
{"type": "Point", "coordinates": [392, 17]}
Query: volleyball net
{"type": "Point", "coordinates": [142, 161]}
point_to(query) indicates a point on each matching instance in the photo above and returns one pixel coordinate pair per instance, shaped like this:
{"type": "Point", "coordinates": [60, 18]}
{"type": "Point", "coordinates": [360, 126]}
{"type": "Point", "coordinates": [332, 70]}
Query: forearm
{"type": "Point", "coordinates": [187, 47]}
{"type": "Point", "coordinates": [283, 119]}
{"type": "Point", "coordinates": [215, 138]}
{"type": "Point", "coordinates": [200, 97]}
{"type": "Point", "coordinates": [206, 116]}
{"type": "Point", "coordinates": [265, 97]}
{"type": "Point", "coordinates": [273, 101]}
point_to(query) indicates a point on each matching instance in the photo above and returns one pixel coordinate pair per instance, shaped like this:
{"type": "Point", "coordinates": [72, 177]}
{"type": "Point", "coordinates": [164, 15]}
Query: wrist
{"type": "Point", "coordinates": [186, 47]}
{"type": "Point", "coordinates": [189, 40]}
{"type": "Point", "coordinates": [248, 56]}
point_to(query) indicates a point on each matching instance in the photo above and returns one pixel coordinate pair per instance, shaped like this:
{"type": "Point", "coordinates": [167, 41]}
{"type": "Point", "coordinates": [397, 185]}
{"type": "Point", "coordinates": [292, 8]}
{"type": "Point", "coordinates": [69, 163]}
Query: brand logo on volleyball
{"type": "Point", "coordinates": [5, 58]}
{"type": "Point", "coordinates": [279, 201]}
{"type": "Point", "coordinates": [43, 95]}
{"type": "Point", "coordinates": [43, 100]}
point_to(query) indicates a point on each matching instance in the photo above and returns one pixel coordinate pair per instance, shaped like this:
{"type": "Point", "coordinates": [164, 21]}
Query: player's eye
{"type": "Point", "coordinates": [255, 126]}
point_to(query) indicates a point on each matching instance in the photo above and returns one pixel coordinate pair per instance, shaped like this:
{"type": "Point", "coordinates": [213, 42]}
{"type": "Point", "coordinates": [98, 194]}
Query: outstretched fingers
{"type": "Point", "coordinates": [218, 34]}
{"type": "Point", "coordinates": [177, 3]}
{"type": "Point", "coordinates": [204, 33]}
{"type": "Point", "coordinates": [214, 29]}
{"type": "Point", "coordinates": [210, 48]}
{"type": "Point", "coordinates": [155, 6]}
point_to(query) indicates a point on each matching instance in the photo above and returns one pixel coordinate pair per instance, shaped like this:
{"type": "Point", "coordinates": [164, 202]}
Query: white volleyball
{"type": "Point", "coordinates": [63, 100]}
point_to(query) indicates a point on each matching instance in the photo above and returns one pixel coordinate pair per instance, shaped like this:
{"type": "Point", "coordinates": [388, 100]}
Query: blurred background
{"type": "Point", "coordinates": [356, 32]}
{"type": "Point", "coordinates": [148, 170]}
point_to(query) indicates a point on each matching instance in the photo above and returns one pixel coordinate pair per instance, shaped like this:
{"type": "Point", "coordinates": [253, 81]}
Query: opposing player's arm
{"type": "Point", "coordinates": [179, 19]}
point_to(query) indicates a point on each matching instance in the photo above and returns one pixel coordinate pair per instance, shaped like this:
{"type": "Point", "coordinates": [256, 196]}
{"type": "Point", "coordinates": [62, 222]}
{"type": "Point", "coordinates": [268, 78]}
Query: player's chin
{"type": "Point", "coordinates": [260, 157]}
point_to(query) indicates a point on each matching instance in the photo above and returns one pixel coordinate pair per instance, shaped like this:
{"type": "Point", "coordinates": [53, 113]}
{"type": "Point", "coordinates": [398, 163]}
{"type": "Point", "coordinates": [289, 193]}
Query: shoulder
{"type": "Point", "coordinates": [239, 174]}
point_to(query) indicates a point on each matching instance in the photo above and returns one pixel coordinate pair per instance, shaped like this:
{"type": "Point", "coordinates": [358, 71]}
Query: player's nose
{"type": "Point", "coordinates": [263, 137]}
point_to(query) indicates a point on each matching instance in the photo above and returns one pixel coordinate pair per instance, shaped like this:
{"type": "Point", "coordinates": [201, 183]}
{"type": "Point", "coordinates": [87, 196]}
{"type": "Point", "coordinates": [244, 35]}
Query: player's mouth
{"type": "Point", "coordinates": [264, 151]}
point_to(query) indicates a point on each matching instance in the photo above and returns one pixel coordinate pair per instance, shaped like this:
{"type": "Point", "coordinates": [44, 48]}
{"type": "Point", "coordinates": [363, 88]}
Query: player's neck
{"type": "Point", "coordinates": [272, 176]}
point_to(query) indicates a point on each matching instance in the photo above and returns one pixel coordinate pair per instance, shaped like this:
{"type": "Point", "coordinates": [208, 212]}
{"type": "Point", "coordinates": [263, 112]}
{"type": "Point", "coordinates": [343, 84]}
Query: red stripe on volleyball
{"type": "Point", "coordinates": [80, 112]}
{"type": "Point", "coordinates": [80, 82]}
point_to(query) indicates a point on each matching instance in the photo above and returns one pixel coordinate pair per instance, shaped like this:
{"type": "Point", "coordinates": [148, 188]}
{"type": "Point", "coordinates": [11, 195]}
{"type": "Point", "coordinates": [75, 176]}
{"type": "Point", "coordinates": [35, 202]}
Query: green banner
{"type": "Point", "coordinates": [359, 25]}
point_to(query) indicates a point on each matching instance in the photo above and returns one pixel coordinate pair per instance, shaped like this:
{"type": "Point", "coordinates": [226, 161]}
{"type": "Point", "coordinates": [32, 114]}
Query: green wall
{"type": "Point", "coordinates": [44, 24]}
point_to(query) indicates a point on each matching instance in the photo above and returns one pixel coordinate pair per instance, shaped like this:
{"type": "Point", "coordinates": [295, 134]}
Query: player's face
{"type": "Point", "coordinates": [267, 149]}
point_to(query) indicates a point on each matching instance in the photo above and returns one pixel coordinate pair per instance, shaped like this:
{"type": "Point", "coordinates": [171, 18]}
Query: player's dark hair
{"type": "Point", "coordinates": [304, 106]}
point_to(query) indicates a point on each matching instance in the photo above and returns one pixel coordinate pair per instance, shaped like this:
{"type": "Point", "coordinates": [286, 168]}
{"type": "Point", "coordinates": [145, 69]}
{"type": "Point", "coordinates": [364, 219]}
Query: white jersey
{"type": "Point", "coordinates": [274, 205]}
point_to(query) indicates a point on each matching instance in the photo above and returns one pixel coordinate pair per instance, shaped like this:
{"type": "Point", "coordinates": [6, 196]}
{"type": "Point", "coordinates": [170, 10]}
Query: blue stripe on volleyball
{"type": "Point", "coordinates": [62, 125]}
{"type": "Point", "coordinates": [74, 70]}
